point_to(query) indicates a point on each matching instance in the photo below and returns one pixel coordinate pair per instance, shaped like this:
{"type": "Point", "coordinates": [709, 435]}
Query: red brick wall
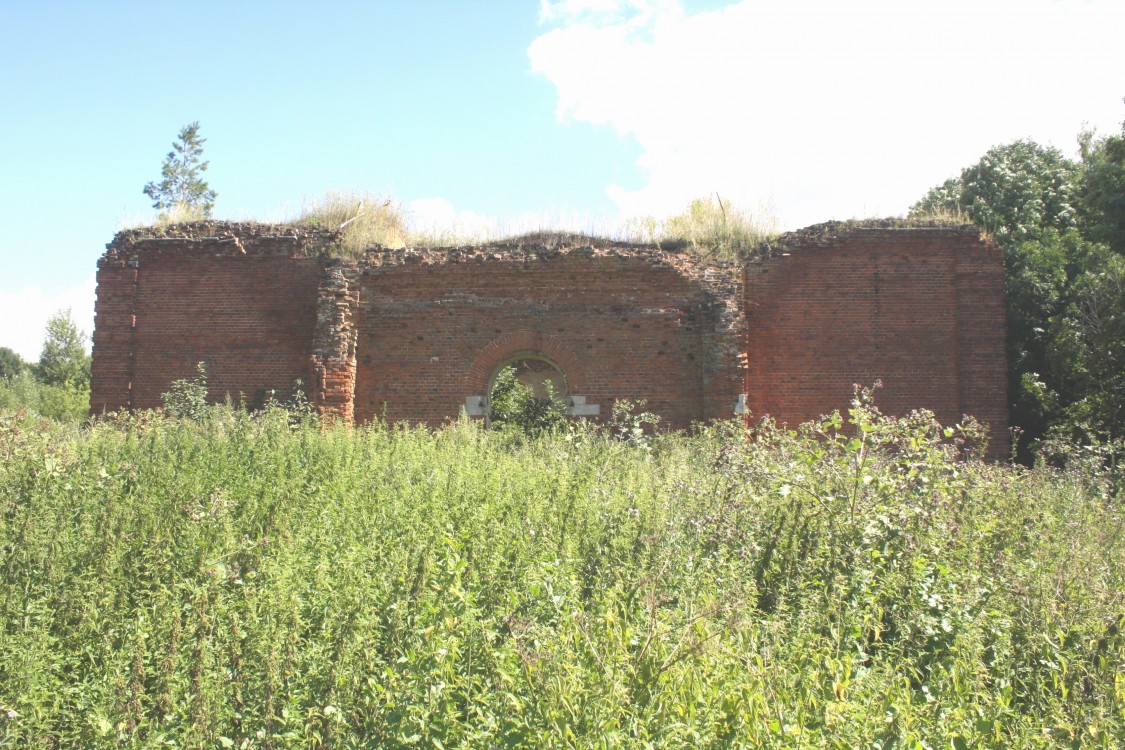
{"type": "Point", "coordinates": [920, 309]}
{"type": "Point", "coordinates": [410, 334]}
{"type": "Point", "coordinates": [249, 317]}
{"type": "Point", "coordinates": [619, 328]}
{"type": "Point", "coordinates": [111, 380]}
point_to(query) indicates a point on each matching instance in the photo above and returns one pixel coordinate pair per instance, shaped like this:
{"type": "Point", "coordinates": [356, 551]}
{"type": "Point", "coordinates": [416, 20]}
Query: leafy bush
{"type": "Point", "coordinates": [68, 403]}
{"type": "Point", "coordinates": [514, 404]}
{"type": "Point", "coordinates": [187, 399]}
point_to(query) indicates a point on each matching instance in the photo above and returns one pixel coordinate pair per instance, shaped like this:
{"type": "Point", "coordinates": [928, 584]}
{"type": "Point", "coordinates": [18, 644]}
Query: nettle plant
{"type": "Point", "coordinates": [187, 398]}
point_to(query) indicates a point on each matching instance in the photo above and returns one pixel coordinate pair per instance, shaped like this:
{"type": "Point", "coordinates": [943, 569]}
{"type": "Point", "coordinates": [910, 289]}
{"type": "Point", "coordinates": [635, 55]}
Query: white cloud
{"type": "Point", "coordinates": [437, 217]}
{"type": "Point", "coordinates": [25, 314]}
{"type": "Point", "coordinates": [827, 110]}
{"type": "Point", "coordinates": [438, 221]}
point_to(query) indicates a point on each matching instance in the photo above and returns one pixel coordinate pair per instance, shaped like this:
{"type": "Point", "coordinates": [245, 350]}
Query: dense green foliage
{"type": "Point", "coordinates": [1103, 187]}
{"type": "Point", "coordinates": [182, 189]}
{"type": "Point", "coordinates": [187, 399]}
{"type": "Point", "coordinates": [11, 363]}
{"type": "Point", "coordinates": [511, 403]}
{"type": "Point", "coordinates": [1061, 226]}
{"type": "Point", "coordinates": [58, 386]}
{"type": "Point", "coordinates": [63, 360]}
{"type": "Point", "coordinates": [255, 581]}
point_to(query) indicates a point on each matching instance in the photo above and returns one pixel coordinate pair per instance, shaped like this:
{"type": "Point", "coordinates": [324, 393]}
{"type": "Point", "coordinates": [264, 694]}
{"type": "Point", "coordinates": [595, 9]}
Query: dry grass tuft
{"type": "Point", "coordinates": [711, 227]}
{"type": "Point", "coordinates": [180, 213]}
{"type": "Point", "coordinates": [364, 220]}
{"type": "Point", "coordinates": [937, 216]}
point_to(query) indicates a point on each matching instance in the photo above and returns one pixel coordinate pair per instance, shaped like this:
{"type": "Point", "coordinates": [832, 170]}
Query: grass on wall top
{"type": "Point", "coordinates": [711, 227]}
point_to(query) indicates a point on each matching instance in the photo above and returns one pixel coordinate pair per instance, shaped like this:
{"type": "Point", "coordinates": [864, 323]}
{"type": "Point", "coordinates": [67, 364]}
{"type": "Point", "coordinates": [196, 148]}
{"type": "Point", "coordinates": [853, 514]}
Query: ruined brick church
{"type": "Point", "coordinates": [420, 334]}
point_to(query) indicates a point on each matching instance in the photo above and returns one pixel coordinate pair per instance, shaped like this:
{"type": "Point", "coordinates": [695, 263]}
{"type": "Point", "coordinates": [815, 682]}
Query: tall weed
{"type": "Point", "coordinates": [254, 581]}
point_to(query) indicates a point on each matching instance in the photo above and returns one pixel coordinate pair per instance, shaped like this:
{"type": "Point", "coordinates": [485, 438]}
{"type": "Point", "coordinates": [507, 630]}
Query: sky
{"type": "Point", "coordinates": [510, 116]}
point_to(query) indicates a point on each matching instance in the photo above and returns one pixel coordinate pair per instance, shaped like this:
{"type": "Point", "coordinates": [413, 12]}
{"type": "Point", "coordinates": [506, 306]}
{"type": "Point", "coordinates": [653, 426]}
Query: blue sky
{"type": "Point", "coordinates": [577, 113]}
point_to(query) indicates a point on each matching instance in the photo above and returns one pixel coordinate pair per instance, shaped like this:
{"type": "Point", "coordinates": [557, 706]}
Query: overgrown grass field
{"type": "Point", "coordinates": [252, 581]}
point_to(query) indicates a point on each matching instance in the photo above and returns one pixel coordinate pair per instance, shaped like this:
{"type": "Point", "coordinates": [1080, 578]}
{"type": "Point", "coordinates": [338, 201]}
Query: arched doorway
{"type": "Point", "coordinates": [536, 360]}
{"type": "Point", "coordinates": [536, 371]}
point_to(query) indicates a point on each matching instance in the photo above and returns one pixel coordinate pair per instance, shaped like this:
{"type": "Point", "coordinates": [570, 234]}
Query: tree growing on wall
{"type": "Point", "coordinates": [182, 189]}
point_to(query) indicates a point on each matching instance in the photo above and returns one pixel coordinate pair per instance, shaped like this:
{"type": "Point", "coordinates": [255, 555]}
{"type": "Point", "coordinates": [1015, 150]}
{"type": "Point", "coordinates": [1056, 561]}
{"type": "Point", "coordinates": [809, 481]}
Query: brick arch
{"type": "Point", "coordinates": [576, 370]}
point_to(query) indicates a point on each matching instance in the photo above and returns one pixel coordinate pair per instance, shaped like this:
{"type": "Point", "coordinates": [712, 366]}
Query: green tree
{"type": "Point", "coordinates": [1015, 191]}
{"type": "Point", "coordinates": [1087, 348]}
{"type": "Point", "coordinates": [1061, 319]}
{"type": "Point", "coordinates": [64, 361]}
{"type": "Point", "coordinates": [181, 187]}
{"type": "Point", "coordinates": [1062, 287]}
{"type": "Point", "coordinates": [1103, 188]}
{"type": "Point", "coordinates": [11, 363]}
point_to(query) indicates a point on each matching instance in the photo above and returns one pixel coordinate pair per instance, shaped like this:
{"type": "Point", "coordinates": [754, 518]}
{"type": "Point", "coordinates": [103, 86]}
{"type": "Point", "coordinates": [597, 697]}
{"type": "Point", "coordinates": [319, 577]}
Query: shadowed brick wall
{"type": "Point", "coordinates": [242, 304]}
{"type": "Point", "coordinates": [620, 324]}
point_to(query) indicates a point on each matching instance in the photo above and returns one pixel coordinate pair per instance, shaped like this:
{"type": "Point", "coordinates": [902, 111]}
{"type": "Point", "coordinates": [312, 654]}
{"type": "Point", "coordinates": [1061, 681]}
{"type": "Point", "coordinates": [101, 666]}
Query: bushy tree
{"type": "Point", "coordinates": [1014, 191]}
{"type": "Point", "coordinates": [64, 360]}
{"type": "Point", "coordinates": [514, 403]}
{"type": "Point", "coordinates": [182, 187]}
{"type": "Point", "coordinates": [58, 385]}
{"type": "Point", "coordinates": [1103, 188]}
{"type": "Point", "coordinates": [11, 363]}
{"type": "Point", "coordinates": [1063, 299]}
{"type": "Point", "coordinates": [1087, 348]}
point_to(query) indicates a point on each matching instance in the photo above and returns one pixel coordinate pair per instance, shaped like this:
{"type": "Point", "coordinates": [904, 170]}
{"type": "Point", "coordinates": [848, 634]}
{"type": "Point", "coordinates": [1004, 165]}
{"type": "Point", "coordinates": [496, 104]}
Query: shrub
{"type": "Point", "coordinates": [187, 399]}
{"type": "Point", "coordinates": [514, 404]}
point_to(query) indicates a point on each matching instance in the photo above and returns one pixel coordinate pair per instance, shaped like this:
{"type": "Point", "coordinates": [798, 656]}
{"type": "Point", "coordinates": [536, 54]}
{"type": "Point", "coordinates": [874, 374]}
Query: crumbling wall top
{"type": "Point", "coordinates": [223, 237]}
{"type": "Point", "coordinates": [827, 233]}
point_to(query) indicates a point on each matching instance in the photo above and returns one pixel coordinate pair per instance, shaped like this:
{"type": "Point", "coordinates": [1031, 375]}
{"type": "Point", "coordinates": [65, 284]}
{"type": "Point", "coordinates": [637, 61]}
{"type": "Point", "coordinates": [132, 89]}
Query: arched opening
{"type": "Point", "coordinates": [527, 389]}
{"type": "Point", "coordinates": [536, 371]}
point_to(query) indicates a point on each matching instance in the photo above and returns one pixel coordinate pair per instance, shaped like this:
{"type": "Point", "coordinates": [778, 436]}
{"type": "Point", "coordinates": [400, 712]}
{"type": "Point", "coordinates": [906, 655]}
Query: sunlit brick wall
{"type": "Point", "coordinates": [920, 310]}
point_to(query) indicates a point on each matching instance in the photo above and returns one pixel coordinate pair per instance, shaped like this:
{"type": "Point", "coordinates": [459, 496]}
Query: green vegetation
{"type": "Point", "coordinates": [256, 581]}
{"type": "Point", "coordinates": [182, 194]}
{"type": "Point", "coordinates": [11, 363]}
{"type": "Point", "coordinates": [58, 386]}
{"type": "Point", "coordinates": [1061, 226]}
{"type": "Point", "coordinates": [513, 403]}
